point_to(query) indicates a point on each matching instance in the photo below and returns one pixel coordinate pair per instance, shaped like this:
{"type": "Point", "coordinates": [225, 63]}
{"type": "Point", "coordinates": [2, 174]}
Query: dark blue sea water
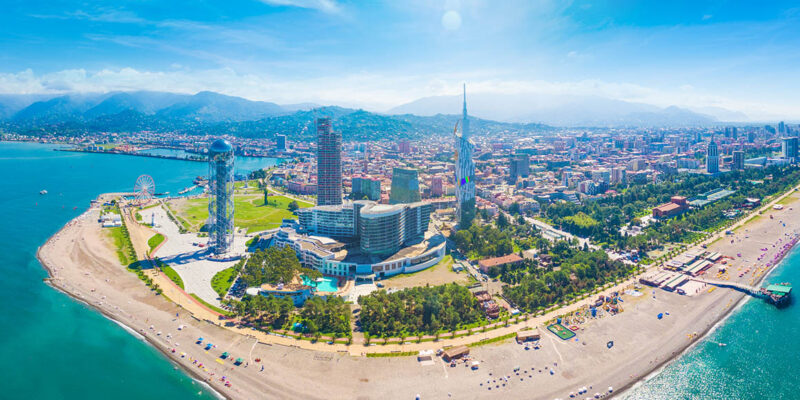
{"type": "Point", "coordinates": [759, 360]}
{"type": "Point", "coordinates": [53, 347]}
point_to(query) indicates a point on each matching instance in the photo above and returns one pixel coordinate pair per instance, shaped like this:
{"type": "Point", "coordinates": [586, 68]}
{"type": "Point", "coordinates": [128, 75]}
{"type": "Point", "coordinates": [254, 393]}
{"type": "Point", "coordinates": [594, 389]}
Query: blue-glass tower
{"type": "Point", "coordinates": [464, 171]}
{"type": "Point", "coordinates": [220, 200]}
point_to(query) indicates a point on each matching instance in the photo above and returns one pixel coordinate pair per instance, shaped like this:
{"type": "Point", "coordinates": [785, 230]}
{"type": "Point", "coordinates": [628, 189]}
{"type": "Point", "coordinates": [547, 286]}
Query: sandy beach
{"type": "Point", "coordinates": [82, 263]}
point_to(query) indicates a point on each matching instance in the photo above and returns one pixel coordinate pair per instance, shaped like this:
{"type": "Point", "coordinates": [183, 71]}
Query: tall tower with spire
{"type": "Point", "coordinates": [464, 119]}
{"type": "Point", "coordinates": [464, 171]}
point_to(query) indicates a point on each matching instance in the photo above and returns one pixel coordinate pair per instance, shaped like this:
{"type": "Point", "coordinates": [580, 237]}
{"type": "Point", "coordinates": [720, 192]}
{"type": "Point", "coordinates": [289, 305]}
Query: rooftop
{"type": "Point", "coordinates": [493, 262]}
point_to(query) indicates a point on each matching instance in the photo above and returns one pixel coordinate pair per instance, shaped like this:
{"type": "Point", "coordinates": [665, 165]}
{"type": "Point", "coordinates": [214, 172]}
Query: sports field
{"type": "Point", "coordinates": [561, 331]}
{"type": "Point", "coordinates": [250, 212]}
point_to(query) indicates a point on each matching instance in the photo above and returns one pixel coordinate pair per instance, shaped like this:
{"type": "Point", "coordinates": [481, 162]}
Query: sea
{"type": "Point", "coordinates": [54, 347]}
{"type": "Point", "coordinates": [753, 354]}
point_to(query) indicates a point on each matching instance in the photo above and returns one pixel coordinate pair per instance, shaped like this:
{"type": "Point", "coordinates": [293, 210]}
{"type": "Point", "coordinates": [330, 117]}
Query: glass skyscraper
{"type": "Point", "coordinates": [405, 186]}
{"type": "Point", "coordinates": [329, 164]}
{"type": "Point", "coordinates": [465, 171]}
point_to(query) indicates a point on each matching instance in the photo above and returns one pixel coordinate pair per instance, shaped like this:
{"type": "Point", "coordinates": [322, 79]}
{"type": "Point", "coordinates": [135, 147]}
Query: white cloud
{"type": "Point", "coordinates": [328, 6]}
{"type": "Point", "coordinates": [364, 89]}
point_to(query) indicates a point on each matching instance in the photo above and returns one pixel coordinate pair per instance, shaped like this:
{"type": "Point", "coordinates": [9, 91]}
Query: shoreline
{"type": "Point", "coordinates": [708, 332]}
{"type": "Point", "coordinates": [49, 281]}
{"type": "Point", "coordinates": [189, 372]}
{"type": "Point", "coordinates": [744, 298]}
{"type": "Point", "coordinates": [697, 308]}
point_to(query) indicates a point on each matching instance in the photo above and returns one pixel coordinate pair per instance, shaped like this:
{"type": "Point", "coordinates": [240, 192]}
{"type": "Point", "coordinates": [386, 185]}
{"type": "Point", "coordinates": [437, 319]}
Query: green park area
{"type": "Point", "coordinates": [223, 280]}
{"type": "Point", "coordinates": [155, 241]}
{"type": "Point", "coordinates": [250, 212]}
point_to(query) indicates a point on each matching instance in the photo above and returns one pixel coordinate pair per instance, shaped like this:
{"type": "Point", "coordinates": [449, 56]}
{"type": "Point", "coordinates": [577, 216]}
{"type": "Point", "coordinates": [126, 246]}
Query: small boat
{"type": "Point", "coordinates": [722, 344]}
{"type": "Point", "coordinates": [43, 191]}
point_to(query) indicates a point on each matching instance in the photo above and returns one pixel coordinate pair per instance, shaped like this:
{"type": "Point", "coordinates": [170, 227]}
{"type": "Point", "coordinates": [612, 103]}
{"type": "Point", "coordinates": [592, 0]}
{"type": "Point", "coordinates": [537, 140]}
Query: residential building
{"type": "Point", "coordinates": [789, 148]}
{"type": "Point", "coordinates": [329, 164]}
{"type": "Point", "coordinates": [712, 157]}
{"type": "Point", "coordinates": [738, 160]}
{"type": "Point", "coordinates": [405, 186]}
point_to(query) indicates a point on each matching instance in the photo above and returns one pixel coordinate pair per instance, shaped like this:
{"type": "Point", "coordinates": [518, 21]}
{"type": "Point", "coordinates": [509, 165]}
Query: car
{"type": "Point", "coordinates": [380, 285]}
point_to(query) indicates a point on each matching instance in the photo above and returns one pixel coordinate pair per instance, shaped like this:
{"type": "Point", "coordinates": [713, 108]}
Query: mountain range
{"type": "Point", "coordinates": [215, 113]}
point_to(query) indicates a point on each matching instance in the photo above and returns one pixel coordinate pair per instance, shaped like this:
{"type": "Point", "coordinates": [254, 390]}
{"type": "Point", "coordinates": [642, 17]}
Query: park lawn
{"type": "Point", "coordinates": [172, 275]}
{"type": "Point", "coordinates": [582, 220]}
{"type": "Point", "coordinates": [121, 244]}
{"type": "Point", "coordinates": [250, 213]}
{"type": "Point", "coordinates": [154, 241]}
{"type": "Point", "coordinates": [223, 280]}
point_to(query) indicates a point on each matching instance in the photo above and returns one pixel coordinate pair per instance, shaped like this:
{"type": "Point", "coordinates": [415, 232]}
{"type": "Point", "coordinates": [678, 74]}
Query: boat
{"type": "Point", "coordinates": [722, 344]}
{"type": "Point", "coordinates": [43, 191]}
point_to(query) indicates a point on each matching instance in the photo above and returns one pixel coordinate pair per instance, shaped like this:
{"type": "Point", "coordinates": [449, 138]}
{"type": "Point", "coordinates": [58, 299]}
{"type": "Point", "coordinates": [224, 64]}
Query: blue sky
{"type": "Point", "coordinates": [377, 55]}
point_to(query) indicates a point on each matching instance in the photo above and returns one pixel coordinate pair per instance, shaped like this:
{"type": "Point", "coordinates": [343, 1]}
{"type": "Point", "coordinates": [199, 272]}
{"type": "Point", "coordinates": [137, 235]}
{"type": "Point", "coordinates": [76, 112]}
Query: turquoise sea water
{"type": "Point", "coordinates": [52, 346]}
{"type": "Point", "coordinates": [759, 360]}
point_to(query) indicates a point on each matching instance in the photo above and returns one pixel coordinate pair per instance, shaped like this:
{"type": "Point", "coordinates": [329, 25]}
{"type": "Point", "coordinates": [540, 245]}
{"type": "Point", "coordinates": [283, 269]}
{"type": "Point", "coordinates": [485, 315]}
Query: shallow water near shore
{"type": "Point", "coordinates": [758, 359]}
{"type": "Point", "coordinates": [55, 347]}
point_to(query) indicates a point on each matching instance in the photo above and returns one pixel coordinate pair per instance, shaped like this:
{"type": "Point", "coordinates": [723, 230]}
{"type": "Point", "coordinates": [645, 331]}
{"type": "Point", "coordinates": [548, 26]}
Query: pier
{"type": "Point", "coordinates": [777, 294]}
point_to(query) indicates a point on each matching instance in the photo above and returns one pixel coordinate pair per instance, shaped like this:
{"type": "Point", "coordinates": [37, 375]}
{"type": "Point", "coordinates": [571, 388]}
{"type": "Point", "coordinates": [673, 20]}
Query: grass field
{"type": "Point", "coordinates": [250, 212]}
{"type": "Point", "coordinates": [223, 280]}
{"type": "Point", "coordinates": [121, 244]}
{"type": "Point", "coordinates": [438, 274]}
{"type": "Point", "coordinates": [154, 241]}
{"type": "Point", "coordinates": [172, 275]}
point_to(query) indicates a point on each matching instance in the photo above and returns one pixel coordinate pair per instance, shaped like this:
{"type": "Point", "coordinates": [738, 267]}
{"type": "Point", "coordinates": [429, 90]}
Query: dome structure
{"type": "Point", "coordinates": [220, 146]}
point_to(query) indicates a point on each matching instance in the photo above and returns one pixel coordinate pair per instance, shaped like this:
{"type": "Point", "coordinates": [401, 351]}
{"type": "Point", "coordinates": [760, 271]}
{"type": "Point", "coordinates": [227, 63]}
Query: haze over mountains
{"type": "Point", "coordinates": [569, 110]}
{"type": "Point", "coordinates": [161, 111]}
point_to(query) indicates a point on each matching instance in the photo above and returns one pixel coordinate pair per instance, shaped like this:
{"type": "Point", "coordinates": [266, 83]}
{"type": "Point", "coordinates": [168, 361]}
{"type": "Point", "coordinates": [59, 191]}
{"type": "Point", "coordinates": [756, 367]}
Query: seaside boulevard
{"type": "Point", "coordinates": [82, 263]}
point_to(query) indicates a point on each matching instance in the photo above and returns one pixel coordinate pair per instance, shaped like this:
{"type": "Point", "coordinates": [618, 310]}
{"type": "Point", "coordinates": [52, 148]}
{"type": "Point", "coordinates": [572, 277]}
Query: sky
{"type": "Point", "coordinates": [742, 56]}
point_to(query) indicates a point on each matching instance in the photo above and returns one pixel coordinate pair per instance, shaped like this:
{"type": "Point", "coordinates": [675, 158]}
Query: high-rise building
{"type": "Point", "coordinates": [383, 229]}
{"type": "Point", "coordinates": [437, 186]}
{"type": "Point", "coordinates": [366, 187]}
{"type": "Point", "coordinates": [789, 148]}
{"type": "Point", "coordinates": [220, 201]}
{"type": "Point", "coordinates": [465, 171]}
{"type": "Point", "coordinates": [712, 157]}
{"type": "Point", "coordinates": [405, 186]}
{"type": "Point", "coordinates": [329, 164]}
{"type": "Point", "coordinates": [617, 175]}
{"type": "Point", "coordinates": [379, 229]}
{"type": "Point", "coordinates": [520, 167]}
{"type": "Point", "coordinates": [738, 160]}
{"type": "Point", "coordinates": [280, 142]}
{"type": "Point", "coordinates": [404, 146]}
{"type": "Point", "coordinates": [781, 128]}
{"type": "Point", "coordinates": [601, 175]}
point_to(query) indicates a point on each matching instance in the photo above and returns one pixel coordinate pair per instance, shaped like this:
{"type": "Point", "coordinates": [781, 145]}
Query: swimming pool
{"type": "Point", "coordinates": [324, 284]}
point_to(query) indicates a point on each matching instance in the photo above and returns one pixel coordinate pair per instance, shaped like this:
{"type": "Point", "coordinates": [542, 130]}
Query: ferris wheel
{"type": "Point", "coordinates": [143, 190]}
